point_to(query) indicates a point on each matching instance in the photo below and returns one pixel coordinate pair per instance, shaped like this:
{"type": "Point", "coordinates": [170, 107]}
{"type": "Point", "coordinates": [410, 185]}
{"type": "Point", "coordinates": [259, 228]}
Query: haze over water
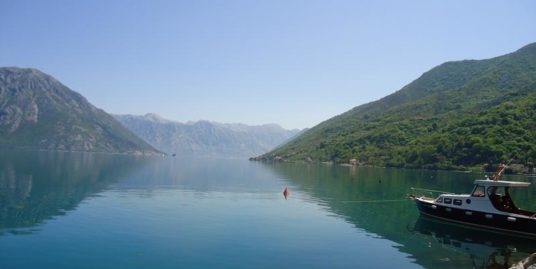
{"type": "Point", "coordinates": [75, 210]}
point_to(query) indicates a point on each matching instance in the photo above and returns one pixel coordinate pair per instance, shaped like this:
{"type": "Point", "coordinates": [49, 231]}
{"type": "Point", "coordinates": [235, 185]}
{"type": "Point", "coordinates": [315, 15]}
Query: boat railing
{"type": "Point", "coordinates": [425, 193]}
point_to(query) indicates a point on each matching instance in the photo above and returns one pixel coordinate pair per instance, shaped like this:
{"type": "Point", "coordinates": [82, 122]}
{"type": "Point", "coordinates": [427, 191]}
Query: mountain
{"type": "Point", "coordinates": [204, 138]}
{"type": "Point", "coordinates": [458, 114]}
{"type": "Point", "coordinates": [38, 112]}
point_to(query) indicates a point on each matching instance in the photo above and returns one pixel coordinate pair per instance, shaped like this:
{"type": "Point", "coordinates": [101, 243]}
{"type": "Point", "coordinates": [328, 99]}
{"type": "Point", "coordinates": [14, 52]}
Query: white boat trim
{"type": "Point", "coordinates": [502, 183]}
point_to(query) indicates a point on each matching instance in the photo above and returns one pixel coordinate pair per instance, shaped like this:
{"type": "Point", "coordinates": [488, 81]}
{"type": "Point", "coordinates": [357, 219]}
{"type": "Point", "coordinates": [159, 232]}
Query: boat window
{"type": "Point", "coordinates": [479, 191]}
{"type": "Point", "coordinates": [457, 202]}
{"type": "Point", "coordinates": [439, 200]}
{"type": "Point", "coordinates": [448, 201]}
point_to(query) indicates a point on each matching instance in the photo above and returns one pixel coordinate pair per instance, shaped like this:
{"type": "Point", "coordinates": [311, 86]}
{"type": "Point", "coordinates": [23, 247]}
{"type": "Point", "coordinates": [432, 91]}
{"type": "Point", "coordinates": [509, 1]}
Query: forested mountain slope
{"type": "Point", "coordinates": [462, 113]}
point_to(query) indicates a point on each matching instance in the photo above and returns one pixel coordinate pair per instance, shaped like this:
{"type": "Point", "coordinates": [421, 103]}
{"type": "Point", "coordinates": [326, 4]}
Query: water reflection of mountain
{"type": "Point", "coordinates": [201, 175]}
{"type": "Point", "coordinates": [372, 199]}
{"type": "Point", "coordinates": [36, 186]}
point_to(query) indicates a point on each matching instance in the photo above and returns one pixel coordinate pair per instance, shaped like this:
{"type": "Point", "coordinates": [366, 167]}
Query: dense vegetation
{"type": "Point", "coordinates": [458, 114]}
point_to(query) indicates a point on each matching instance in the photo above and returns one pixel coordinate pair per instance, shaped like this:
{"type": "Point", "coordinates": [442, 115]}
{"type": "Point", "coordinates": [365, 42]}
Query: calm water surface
{"type": "Point", "coordinates": [68, 210]}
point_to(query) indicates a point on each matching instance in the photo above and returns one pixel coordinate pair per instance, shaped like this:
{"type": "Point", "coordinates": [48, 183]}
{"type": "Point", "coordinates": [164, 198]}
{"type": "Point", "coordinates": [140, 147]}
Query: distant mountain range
{"type": "Point", "coordinates": [38, 112]}
{"type": "Point", "coordinates": [458, 114]}
{"type": "Point", "coordinates": [205, 138]}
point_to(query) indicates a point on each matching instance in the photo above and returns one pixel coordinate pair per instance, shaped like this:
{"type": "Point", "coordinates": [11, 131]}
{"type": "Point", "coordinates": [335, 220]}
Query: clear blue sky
{"type": "Point", "coordinates": [295, 63]}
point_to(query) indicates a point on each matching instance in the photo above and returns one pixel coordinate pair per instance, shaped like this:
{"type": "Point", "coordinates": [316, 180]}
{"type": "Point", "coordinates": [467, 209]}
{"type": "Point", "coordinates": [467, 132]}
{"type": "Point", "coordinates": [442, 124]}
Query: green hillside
{"type": "Point", "coordinates": [39, 112]}
{"type": "Point", "coordinates": [458, 114]}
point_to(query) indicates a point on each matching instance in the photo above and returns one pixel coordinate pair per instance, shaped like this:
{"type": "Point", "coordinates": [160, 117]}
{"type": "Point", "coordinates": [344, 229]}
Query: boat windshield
{"type": "Point", "coordinates": [479, 191]}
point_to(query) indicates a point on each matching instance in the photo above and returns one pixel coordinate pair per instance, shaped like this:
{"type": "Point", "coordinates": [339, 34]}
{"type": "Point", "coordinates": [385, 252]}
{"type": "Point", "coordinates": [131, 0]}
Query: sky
{"type": "Point", "coordinates": [291, 62]}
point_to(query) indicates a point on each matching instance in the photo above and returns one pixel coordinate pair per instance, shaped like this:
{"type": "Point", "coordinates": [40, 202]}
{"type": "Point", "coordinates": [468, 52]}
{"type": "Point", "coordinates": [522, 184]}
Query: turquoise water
{"type": "Point", "coordinates": [74, 210]}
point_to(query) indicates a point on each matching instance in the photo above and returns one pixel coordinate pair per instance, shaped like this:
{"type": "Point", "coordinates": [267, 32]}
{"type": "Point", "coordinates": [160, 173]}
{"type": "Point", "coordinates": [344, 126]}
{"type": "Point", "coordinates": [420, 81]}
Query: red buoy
{"type": "Point", "coordinates": [285, 193]}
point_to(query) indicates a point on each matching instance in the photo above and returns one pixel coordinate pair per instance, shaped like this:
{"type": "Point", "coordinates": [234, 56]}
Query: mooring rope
{"type": "Point", "coordinates": [421, 189]}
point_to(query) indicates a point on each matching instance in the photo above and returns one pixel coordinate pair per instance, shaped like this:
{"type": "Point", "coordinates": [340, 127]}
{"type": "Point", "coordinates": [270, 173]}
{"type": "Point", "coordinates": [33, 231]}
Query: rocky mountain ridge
{"type": "Point", "coordinates": [39, 112]}
{"type": "Point", "coordinates": [206, 138]}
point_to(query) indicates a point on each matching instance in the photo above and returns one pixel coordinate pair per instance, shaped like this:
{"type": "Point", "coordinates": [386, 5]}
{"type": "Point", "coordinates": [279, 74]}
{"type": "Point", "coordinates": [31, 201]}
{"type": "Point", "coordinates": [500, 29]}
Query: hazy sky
{"type": "Point", "coordinates": [295, 63]}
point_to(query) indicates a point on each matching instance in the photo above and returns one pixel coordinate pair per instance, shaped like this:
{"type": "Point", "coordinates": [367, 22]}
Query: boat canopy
{"type": "Point", "coordinates": [502, 183]}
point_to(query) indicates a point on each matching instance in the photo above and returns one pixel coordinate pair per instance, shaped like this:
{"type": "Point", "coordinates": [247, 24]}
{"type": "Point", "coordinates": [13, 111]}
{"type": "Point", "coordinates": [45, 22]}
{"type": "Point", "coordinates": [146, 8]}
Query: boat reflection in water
{"type": "Point", "coordinates": [486, 249]}
{"type": "Point", "coordinates": [379, 209]}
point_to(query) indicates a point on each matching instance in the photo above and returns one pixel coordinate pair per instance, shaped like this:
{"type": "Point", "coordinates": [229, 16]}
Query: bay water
{"type": "Point", "coordinates": [88, 210]}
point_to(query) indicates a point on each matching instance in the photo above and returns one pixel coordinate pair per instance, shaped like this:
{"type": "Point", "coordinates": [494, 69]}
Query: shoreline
{"type": "Point", "coordinates": [128, 153]}
{"type": "Point", "coordinates": [452, 169]}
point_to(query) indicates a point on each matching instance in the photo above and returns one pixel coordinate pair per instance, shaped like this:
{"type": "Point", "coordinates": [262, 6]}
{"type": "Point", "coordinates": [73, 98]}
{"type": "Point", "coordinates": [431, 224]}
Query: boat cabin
{"type": "Point", "coordinates": [489, 205]}
{"type": "Point", "coordinates": [498, 193]}
{"type": "Point", "coordinates": [487, 196]}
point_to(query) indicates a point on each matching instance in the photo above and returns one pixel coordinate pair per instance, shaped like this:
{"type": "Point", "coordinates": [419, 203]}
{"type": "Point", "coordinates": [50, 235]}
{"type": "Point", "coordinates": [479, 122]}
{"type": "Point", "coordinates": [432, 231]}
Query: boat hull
{"type": "Point", "coordinates": [506, 223]}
